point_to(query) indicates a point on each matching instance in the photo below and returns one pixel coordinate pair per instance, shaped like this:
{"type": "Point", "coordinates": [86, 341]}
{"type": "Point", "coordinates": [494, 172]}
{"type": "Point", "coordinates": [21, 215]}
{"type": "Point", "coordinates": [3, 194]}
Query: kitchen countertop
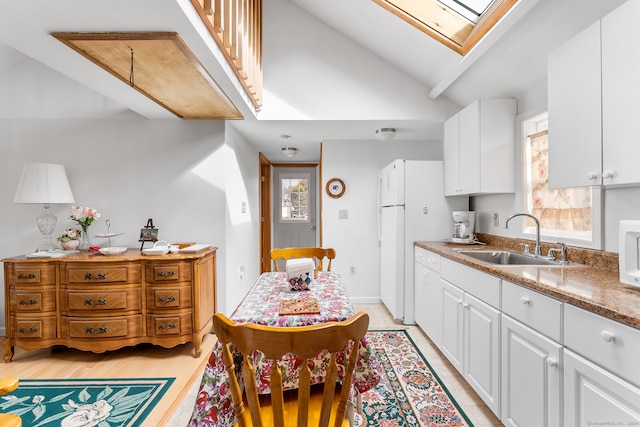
{"type": "Point", "coordinates": [595, 289]}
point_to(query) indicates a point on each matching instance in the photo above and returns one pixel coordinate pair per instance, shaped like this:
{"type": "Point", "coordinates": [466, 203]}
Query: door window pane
{"type": "Point", "coordinates": [295, 199]}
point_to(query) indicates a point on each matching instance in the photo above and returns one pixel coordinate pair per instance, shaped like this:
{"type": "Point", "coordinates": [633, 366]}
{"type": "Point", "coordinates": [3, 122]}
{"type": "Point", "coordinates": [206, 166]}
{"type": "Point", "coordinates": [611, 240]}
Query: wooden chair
{"type": "Point", "coordinates": [316, 253]}
{"type": "Point", "coordinates": [7, 385]}
{"type": "Point", "coordinates": [315, 405]}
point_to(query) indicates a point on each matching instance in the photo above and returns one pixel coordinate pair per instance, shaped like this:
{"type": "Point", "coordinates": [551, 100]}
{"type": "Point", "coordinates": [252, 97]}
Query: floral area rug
{"type": "Point", "coordinates": [410, 393]}
{"type": "Point", "coordinates": [85, 402]}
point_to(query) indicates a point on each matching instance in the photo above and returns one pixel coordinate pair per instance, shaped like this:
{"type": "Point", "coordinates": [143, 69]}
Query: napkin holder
{"type": "Point", "coordinates": [300, 273]}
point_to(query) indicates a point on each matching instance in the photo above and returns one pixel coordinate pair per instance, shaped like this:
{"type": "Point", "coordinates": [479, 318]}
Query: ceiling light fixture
{"type": "Point", "coordinates": [385, 134]}
{"type": "Point", "coordinates": [289, 151]}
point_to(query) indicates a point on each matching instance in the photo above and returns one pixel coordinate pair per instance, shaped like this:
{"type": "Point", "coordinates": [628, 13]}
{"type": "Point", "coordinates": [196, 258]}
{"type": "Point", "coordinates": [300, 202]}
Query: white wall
{"type": "Point", "coordinates": [355, 239]}
{"type": "Point", "coordinates": [242, 228]}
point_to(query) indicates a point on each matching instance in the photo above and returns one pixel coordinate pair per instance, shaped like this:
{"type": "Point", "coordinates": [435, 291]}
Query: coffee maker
{"type": "Point", "coordinates": [463, 223]}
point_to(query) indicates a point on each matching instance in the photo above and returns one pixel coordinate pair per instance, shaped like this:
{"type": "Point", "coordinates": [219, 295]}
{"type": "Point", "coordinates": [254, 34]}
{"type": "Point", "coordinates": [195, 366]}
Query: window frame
{"type": "Point", "coordinates": [526, 126]}
{"type": "Point", "coordinates": [300, 176]}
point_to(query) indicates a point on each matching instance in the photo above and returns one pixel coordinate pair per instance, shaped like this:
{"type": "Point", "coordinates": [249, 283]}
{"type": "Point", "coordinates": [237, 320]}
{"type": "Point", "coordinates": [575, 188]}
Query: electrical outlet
{"type": "Point", "coordinates": [496, 219]}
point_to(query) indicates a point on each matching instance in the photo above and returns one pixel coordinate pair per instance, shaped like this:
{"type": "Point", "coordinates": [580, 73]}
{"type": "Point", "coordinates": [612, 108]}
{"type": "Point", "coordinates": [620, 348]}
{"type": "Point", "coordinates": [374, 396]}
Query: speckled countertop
{"type": "Point", "coordinates": [596, 287]}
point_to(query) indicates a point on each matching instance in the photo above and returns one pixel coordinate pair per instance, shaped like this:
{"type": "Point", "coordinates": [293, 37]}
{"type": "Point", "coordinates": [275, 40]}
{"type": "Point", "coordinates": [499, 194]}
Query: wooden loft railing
{"type": "Point", "coordinates": [236, 26]}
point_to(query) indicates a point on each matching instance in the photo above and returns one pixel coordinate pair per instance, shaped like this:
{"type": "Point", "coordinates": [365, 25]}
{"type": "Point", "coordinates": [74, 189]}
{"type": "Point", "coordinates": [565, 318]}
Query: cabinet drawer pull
{"type": "Point", "coordinates": [170, 298]}
{"type": "Point", "coordinates": [28, 276]}
{"type": "Point", "coordinates": [525, 300]}
{"type": "Point", "coordinates": [101, 301]}
{"type": "Point", "coordinates": [101, 330]}
{"type": "Point", "coordinates": [551, 362]}
{"type": "Point", "coordinates": [30, 302]}
{"type": "Point", "coordinates": [24, 330]}
{"type": "Point", "coordinates": [167, 274]}
{"type": "Point", "coordinates": [99, 276]}
{"type": "Point", "coordinates": [607, 336]}
{"type": "Point", "coordinates": [169, 326]}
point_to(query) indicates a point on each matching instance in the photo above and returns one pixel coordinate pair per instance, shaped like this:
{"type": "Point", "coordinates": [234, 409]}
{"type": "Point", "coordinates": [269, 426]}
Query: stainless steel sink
{"type": "Point", "coordinates": [505, 258]}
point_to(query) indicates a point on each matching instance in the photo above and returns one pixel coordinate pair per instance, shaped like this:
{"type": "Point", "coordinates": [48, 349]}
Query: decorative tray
{"type": "Point", "coordinates": [158, 250]}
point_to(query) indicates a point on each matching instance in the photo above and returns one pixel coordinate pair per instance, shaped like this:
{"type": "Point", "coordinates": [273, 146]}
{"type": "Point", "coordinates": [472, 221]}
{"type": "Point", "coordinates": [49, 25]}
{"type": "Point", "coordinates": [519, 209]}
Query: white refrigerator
{"type": "Point", "coordinates": [411, 207]}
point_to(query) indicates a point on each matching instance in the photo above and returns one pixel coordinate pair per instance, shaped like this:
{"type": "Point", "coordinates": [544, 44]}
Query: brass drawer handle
{"type": "Point", "coordinates": [99, 276]}
{"type": "Point", "coordinates": [30, 302]}
{"type": "Point", "coordinates": [167, 274]}
{"type": "Point", "coordinates": [24, 330]}
{"type": "Point", "coordinates": [101, 301]}
{"type": "Point", "coordinates": [28, 276]}
{"type": "Point", "coordinates": [168, 299]}
{"type": "Point", "coordinates": [101, 330]}
{"type": "Point", "coordinates": [169, 326]}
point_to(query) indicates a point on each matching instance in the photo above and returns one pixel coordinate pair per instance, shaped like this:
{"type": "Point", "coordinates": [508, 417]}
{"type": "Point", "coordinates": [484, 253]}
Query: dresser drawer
{"type": "Point", "coordinates": [105, 327]}
{"type": "Point", "coordinates": [179, 324]}
{"type": "Point", "coordinates": [34, 328]}
{"type": "Point", "coordinates": [168, 297]}
{"type": "Point", "coordinates": [97, 273]}
{"type": "Point", "coordinates": [121, 299]}
{"type": "Point", "coordinates": [168, 271]}
{"type": "Point", "coordinates": [32, 273]}
{"type": "Point", "coordinates": [427, 258]}
{"type": "Point", "coordinates": [32, 300]}
{"type": "Point", "coordinates": [535, 310]}
{"type": "Point", "coordinates": [608, 343]}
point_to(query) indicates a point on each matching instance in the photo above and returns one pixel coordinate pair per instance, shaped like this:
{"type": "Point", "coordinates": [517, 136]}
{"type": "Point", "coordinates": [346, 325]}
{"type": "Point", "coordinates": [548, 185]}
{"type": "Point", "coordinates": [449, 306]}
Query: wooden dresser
{"type": "Point", "coordinates": [98, 303]}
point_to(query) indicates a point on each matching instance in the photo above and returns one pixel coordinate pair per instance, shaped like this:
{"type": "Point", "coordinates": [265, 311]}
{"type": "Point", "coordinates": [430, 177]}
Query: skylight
{"type": "Point", "coordinates": [470, 9]}
{"type": "Point", "coordinates": [458, 24]}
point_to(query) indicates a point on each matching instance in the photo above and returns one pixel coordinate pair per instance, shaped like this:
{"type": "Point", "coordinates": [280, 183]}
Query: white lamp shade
{"type": "Point", "coordinates": [43, 183]}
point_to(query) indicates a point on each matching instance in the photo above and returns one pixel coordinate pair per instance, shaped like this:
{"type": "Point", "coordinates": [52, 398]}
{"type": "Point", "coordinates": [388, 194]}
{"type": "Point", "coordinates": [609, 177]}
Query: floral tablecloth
{"type": "Point", "coordinates": [214, 405]}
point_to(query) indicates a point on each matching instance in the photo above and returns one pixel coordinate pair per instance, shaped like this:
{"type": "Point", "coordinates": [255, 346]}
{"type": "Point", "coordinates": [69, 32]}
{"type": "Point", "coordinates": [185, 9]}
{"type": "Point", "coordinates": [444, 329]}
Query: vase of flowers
{"type": "Point", "coordinates": [70, 239]}
{"type": "Point", "coordinates": [84, 216]}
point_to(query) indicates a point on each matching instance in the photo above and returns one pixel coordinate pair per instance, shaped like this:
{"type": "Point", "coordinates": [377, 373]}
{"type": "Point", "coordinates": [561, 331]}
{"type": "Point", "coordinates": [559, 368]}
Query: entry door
{"type": "Point", "coordinates": [294, 215]}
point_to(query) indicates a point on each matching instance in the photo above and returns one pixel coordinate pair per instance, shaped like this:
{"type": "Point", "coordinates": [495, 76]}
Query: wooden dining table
{"type": "Point", "coordinates": [261, 305]}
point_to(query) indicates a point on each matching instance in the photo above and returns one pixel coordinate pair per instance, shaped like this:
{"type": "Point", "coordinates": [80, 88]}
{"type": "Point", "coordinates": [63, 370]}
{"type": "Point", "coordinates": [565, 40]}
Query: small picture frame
{"type": "Point", "coordinates": [148, 233]}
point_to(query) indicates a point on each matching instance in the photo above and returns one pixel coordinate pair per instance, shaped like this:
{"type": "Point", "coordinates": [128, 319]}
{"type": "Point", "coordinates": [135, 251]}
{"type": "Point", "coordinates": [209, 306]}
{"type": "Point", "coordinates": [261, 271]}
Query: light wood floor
{"type": "Point", "coordinates": [150, 361]}
{"type": "Point", "coordinates": [143, 361]}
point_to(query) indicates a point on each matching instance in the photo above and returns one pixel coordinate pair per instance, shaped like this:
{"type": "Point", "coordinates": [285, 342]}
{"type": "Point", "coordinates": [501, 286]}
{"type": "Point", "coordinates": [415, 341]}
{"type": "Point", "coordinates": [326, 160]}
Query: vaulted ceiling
{"type": "Point", "coordinates": [333, 69]}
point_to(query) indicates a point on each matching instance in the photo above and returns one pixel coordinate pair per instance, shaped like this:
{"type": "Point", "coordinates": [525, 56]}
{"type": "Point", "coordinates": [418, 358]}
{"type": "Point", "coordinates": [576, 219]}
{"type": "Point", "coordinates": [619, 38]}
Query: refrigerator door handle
{"type": "Point", "coordinates": [378, 207]}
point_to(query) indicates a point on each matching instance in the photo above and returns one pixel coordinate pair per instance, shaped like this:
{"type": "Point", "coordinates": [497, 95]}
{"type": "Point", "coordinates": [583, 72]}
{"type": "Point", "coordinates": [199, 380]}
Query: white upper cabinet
{"type": "Point", "coordinates": [479, 147]}
{"type": "Point", "coordinates": [592, 80]}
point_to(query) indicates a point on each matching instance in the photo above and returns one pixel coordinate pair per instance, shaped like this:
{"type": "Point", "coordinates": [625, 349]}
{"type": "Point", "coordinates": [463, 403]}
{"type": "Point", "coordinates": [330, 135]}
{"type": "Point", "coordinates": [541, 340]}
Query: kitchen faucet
{"type": "Point", "coordinates": [536, 251]}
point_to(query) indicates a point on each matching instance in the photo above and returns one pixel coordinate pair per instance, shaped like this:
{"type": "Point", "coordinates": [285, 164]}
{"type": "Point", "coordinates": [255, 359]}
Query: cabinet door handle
{"type": "Point", "coordinates": [551, 362]}
{"type": "Point", "coordinates": [607, 336]}
{"type": "Point", "coordinates": [525, 300]}
{"type": "Point", "coordinates": [607, 175]}
{"type": "Point", "coordinates": [465, 305]}
{"type": "Point", "coordinates": [591, 176]}
{"type": "Point", "coordinates": [170, 298]}
{"type": "Point", "coordinates": [30, 302]}
{"type": "Point", "coordinates": [25, 330]}
{"type": "Point", "coordinates": [27, 276]}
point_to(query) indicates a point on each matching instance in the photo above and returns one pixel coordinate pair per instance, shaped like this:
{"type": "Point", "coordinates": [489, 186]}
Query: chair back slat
{"type": "Point", "coordinates": [277, 396]}
{"type": "Point", "coordinates": [329, 391]}
{"type": "Point", "coordinates": [251, 391]}
{"type": "Point", "coordinates": [304, 394]}
{"type": "Point", "coordinates": [318, 254]}
{"type": "Point", "coordinates": [305, 343]}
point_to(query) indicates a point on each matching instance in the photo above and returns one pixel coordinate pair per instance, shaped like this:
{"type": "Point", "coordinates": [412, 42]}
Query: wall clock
{"type": "Point", "coordinates": [335, 187]}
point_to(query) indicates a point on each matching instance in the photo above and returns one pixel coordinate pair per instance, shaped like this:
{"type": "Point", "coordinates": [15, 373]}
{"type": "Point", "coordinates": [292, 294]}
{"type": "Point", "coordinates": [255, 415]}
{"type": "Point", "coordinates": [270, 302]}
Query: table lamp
{"type": "Point", "coordinates": [47, 184]}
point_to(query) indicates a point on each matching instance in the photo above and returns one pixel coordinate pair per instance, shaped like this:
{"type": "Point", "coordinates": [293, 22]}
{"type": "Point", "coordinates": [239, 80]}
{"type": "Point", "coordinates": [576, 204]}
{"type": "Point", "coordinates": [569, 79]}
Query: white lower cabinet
{"type": "Point", "coordinates": [594, 396]}
{"type": "Point", "coordinates": [471, 341]}
{"type": "Point", "coordinates": [428, 311]}
{"type": "Point", "coordinates": [531, 377]}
